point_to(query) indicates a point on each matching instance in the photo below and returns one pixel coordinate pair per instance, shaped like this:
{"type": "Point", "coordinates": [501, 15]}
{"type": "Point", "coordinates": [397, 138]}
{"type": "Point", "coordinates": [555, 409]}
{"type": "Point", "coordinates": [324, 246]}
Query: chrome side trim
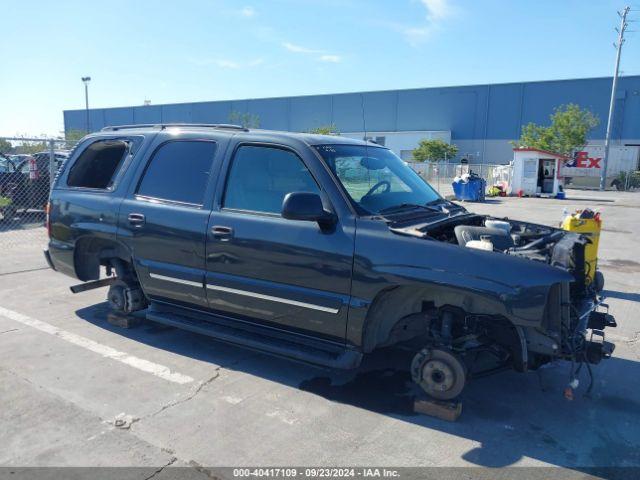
{"type": "Point", "coordinates": [272, 298]}
{"type": "Point", "coordinates": [157, 276]}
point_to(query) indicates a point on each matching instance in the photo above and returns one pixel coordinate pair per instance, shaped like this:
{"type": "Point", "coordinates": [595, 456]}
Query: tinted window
{"type": "Point", "coordinates": [179, 171]}
{"type": "Point", "coordinates": [97, 165]}
{"type": "Point", "coordinates": [260, 177]}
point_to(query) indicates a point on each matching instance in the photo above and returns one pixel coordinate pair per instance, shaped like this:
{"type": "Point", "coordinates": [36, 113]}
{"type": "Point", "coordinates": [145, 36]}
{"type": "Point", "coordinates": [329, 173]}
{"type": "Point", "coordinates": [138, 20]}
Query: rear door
{"type": "Point", "coordinates": [164, 218]}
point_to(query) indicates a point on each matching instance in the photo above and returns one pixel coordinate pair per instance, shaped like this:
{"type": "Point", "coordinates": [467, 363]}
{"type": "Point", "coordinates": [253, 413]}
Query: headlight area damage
{"type": "Point", "coordinates": [569, 323]}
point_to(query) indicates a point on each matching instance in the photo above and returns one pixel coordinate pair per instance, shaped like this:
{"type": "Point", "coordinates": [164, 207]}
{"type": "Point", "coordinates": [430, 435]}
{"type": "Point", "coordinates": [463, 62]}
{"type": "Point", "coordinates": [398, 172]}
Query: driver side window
{"type": "Point", "coordinates": [261, 177]}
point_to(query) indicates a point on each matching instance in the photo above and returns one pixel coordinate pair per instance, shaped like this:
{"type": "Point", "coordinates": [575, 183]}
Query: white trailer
{"type": "Point", "coordinates": [584, 169]}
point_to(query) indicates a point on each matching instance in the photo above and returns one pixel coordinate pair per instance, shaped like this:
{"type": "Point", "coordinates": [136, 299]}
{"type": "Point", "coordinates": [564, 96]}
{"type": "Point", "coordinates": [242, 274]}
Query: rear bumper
{"type": "Point", "coordinates": [60, 257]}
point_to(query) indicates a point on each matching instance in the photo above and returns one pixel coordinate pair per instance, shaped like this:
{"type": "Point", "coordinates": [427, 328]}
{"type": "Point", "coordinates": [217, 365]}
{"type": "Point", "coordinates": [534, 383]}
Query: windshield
{"type": "Point", "coordinates": [5, 165]}
{"type": "Point", "coordinates": [375, 178]}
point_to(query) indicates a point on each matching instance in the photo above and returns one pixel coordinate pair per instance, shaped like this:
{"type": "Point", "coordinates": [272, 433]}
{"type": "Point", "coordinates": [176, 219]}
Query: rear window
{"type": "Point", "coordinates": [97, 165]}
{"type": "Point", "coordinates": [179, 172]}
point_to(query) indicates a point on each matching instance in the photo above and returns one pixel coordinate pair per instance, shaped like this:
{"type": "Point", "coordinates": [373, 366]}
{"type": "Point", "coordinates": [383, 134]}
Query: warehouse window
{"type": "Point", "coordinates": [97, 165]}
{"type": "Point", "coordinates": [179, 172]}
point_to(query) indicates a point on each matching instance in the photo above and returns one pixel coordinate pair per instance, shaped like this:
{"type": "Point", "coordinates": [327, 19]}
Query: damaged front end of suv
{"type": "Point", "coordinates": [547, 309]}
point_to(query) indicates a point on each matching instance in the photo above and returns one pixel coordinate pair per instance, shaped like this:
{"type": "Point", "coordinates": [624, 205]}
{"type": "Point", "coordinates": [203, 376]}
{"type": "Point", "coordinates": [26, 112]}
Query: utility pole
{"type": "Point", "coordinates": [86, 81]}
{"type": "Point", "coordinates": [607, 140]}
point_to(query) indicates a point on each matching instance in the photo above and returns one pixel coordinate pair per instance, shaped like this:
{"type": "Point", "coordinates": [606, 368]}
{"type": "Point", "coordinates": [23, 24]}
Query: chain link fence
{"type": "Point", "coordinates": [27, 169]}
{"type": "Point", "coordinates": [441, 175]}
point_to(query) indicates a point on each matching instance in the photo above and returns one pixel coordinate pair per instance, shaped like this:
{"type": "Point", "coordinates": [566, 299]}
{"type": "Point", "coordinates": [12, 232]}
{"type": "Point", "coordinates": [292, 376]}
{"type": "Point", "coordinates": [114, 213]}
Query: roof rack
{"type": "Point", "coordinates": [162, 126]}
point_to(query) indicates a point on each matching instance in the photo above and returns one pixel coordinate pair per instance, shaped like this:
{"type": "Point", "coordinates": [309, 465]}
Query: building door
{"type": "Point", "coordinates": [529, 176]}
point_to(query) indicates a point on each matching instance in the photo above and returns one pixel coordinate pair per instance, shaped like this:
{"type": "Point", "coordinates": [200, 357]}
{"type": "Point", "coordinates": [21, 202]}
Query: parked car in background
{"type": "Point", "coordinates": [10, 178]}
{"type": "Point", "coordinates": [26, 182]}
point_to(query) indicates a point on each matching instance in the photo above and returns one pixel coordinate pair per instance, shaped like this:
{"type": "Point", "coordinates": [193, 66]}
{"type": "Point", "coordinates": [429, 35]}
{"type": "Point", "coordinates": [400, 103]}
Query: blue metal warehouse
{"type": "Point", "coordinates": [480, 119]}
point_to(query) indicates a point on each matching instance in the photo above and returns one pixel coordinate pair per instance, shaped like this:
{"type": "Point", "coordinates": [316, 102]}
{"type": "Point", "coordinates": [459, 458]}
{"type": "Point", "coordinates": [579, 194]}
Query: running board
{"type": "Point", "coordinates": [264, 340]}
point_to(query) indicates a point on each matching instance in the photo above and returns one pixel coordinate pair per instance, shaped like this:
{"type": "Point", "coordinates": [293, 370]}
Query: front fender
{"type": "Point", "coordinates": [479, 282]}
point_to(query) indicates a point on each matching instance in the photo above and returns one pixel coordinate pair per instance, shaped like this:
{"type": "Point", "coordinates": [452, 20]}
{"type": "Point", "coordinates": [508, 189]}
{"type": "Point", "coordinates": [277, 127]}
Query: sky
{"type": "Point", "coordinates": [202, 50]}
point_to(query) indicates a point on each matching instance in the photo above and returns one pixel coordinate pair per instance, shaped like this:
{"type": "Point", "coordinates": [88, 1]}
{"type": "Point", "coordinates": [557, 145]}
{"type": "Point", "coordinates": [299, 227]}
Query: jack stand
{"type": "Point", "coordinates": [449, 411]}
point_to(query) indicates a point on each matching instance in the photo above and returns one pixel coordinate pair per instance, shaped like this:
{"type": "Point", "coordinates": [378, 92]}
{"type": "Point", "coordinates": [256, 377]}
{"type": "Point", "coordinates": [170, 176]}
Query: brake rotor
{"type": "Point", "coordinates": [440, 373]}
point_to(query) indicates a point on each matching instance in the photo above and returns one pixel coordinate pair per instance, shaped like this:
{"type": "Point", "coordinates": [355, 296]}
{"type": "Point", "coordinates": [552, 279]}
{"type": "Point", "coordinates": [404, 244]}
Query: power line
{"type": "Point", "coordinates": [607, 140]}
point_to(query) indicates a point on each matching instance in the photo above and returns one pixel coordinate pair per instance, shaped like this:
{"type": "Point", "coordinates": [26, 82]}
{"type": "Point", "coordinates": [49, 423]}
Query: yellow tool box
{"type": "Point", "coordinates": [587, 223]}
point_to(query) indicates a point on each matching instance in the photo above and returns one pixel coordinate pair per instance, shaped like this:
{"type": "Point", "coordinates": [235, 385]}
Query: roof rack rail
{"type": "Point", "coordinates": [162, 126]}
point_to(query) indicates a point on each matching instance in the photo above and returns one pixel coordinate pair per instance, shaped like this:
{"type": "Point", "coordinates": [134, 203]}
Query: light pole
{"type": "Point", "coordinates": [86, 81]}
{"type": "Point", "coordinates": [612, 103]}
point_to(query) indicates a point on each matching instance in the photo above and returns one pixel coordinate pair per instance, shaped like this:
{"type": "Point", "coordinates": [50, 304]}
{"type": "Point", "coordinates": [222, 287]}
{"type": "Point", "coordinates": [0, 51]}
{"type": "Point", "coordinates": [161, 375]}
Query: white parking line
{"type": "Point", "coordinates": [141, 364]}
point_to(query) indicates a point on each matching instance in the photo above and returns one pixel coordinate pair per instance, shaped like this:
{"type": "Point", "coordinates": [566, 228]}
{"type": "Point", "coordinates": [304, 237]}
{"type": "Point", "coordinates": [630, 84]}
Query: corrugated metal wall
{"type": "Point", "coordinates": [492, 112]}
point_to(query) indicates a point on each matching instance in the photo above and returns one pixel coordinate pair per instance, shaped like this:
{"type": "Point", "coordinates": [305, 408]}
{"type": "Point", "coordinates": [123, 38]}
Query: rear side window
{"type": "Point", "coordinates": [179, 171]}
{"type": "Point", "coordinates": [97, 165]}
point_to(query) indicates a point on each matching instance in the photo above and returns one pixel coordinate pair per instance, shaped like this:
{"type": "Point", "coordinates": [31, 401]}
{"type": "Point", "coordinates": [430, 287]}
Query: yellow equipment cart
{"type": "Point", "coordinates": [588, 223]}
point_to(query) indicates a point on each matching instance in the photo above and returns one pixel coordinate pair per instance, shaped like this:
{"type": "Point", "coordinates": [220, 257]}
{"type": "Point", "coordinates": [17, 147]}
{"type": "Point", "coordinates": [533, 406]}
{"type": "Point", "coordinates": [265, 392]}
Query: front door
{"type": "Point", "coordinates": [286, 273]}
{"type": "Point", "coordinates": [163, 220]}
{"type": "Point", "coordinates": [529, 176]}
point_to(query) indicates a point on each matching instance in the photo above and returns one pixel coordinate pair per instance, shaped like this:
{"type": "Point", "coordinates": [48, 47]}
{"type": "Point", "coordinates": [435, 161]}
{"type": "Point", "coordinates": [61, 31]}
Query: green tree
{"type": "Point", "coordinates": [246, 119]}
{"type": "Point", "coordinates": [330, 129]}
{"type": "Point", "coordinates": [31, 147]}
{"type": "Point", "coordinates": [568, 131]}
{"type": "Point", "coordinates": [5, 146]}
{"type": "Point", "coordinates": [73, 136]}
{"type": "Point", "coordinates": [434, 151]}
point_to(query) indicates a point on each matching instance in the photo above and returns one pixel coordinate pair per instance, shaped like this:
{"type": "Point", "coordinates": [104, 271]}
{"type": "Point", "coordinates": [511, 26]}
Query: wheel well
{"type": "Point", "coordinates": [90, 253]}
{"type": "Point", "coordinates": [401, 312]}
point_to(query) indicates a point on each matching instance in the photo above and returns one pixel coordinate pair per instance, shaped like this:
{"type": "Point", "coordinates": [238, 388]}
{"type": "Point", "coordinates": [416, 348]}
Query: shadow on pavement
{"type": "Point", "coordinates": [510, 415]}
{"type": "Point", "coordinates": [632, 297]}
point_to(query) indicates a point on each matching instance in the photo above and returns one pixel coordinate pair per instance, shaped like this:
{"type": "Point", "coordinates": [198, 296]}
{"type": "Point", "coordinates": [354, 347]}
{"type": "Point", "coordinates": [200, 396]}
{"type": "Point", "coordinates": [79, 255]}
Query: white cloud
{"type": "Point", "coordinates": [436, 12]}
{"type": "Point", "coordinates": [330, 58]}
{"type": "Point", "coordinates": [323, 55]}
{"type": "Point", "coordinates": [292, 47]}
{"type": "Point", "coordinates": [248, 11]}
{"type": "Point", "coordinates": [227, 64]}
{"type": "Point", "coordinates": [437, 9]}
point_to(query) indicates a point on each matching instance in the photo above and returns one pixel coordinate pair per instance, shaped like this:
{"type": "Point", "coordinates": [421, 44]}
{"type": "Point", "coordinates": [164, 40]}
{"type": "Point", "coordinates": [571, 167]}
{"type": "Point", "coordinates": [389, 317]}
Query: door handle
{"type": "Point", "coordinates": [221, 232]}
{"type": "Point", "coordinates": [136, 219]}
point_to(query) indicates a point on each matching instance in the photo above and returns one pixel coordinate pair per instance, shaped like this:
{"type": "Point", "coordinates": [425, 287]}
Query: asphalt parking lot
{"type": "Point", "coordinates": [183, 399]}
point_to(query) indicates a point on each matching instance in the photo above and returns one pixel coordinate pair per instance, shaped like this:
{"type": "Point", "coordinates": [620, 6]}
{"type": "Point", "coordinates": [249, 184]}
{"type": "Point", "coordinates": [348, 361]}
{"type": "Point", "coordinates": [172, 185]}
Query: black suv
{"type": "Point", "coordinates": [320, 248]}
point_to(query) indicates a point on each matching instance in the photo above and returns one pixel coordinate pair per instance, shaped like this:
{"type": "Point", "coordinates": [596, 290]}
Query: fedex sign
{"type": "Point", "coordinates": [583, 160]}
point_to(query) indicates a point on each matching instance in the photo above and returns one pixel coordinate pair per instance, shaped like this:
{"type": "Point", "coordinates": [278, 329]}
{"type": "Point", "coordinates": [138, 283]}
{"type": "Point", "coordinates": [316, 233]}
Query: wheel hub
{"type": "Point", "coordinates": [440, 373]}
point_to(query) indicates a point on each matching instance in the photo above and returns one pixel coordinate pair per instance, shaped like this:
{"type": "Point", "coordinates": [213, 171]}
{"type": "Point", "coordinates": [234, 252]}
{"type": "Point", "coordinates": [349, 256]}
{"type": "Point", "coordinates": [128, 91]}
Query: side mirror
{"type": "Point", "coordinates": [307, 207]}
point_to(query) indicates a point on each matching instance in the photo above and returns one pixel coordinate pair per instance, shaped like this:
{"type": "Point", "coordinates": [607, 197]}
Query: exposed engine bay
{"type": "Point", "coordinates": [531, 241]}
{"type": "Point", "coordinates": [571, 330]}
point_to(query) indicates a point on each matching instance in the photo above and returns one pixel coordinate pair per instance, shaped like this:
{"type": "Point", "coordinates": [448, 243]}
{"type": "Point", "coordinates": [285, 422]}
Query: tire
{"type": "Point", "coordinates": [117, 299]}
{"type": "Point", "coordinates": [8, 213]}
{"type": "Point", "coordinates": [598, 281]}
{"type": "Point", "coordinates": [440, 373]}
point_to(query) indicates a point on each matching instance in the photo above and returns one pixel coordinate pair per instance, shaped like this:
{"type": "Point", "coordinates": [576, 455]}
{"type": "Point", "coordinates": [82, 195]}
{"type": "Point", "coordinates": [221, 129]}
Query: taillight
{"type": "Point", "coordinates": [47, 223]}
